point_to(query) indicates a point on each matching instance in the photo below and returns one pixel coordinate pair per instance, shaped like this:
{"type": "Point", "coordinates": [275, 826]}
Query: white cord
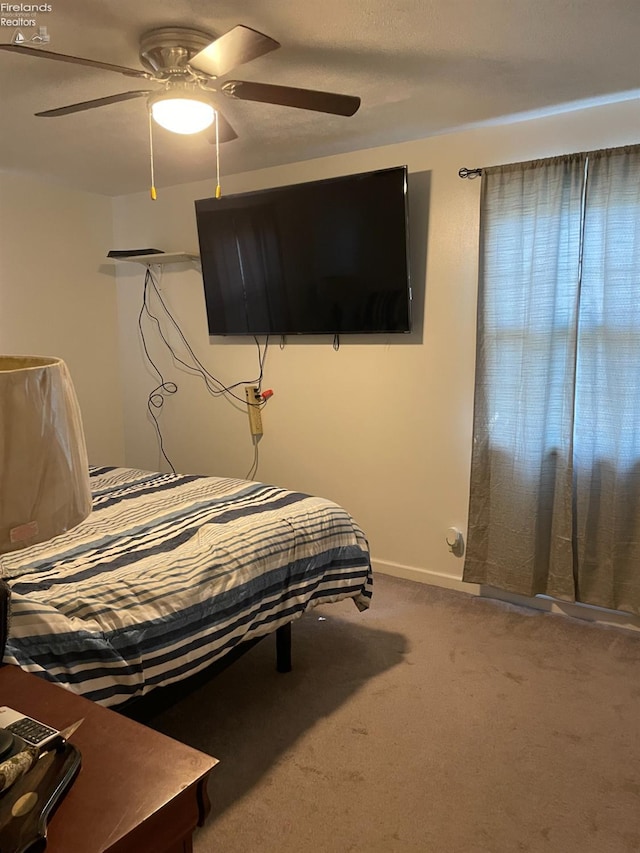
{"type": "Point", "coordinates": [251, 473]}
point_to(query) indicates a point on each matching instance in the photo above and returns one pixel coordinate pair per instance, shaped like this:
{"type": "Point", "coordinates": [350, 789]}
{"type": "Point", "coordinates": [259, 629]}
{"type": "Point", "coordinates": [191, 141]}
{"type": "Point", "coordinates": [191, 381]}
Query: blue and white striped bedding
{"type": "Point", "coordinates": [170, 572]}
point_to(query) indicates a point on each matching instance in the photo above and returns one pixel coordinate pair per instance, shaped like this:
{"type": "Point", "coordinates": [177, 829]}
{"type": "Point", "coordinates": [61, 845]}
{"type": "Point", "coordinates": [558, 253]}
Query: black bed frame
{"type": "Point", "coordinates": [146, 707]}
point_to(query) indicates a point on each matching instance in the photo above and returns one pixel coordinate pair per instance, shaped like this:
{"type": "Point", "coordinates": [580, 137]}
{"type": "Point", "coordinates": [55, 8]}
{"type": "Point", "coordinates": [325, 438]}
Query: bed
{"type": "Point", "coordinates": [171, 573]}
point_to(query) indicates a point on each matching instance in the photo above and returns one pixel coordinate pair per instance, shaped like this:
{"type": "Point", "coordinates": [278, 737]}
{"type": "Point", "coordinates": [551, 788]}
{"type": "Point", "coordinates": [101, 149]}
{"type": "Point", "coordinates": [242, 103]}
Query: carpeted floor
{"type": "Point", "coordinates": [435, 722]}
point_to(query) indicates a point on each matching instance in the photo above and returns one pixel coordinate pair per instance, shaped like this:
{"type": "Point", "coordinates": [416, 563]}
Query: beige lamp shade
{"type": "Point", "coordinates": [44, 473]}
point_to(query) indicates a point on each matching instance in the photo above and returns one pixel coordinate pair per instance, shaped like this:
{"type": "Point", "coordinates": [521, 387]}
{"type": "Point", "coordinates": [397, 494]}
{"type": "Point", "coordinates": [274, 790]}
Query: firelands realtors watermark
{"type": "Point", "coordinates": [21, 17]}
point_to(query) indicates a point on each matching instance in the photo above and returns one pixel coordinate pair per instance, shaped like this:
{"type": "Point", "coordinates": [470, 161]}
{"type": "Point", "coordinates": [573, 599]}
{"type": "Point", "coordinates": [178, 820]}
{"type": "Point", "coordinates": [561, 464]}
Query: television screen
{"type": "Point", "coordinates": [324, 257]}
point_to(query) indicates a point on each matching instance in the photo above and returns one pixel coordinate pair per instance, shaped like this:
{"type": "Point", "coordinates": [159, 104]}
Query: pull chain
{"type": "Point", "coordinates": [152, 190]}
{"type": "Point", "coordinates": [218, 187]}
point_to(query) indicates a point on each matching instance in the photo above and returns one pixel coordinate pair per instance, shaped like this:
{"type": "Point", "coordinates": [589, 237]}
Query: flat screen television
{"type": "Point", "coordinates": [322, 257]}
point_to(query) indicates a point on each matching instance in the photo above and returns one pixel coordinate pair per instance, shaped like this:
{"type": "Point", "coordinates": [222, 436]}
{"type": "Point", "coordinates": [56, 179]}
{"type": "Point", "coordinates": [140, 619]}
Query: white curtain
{"type": "Point", "coordinates": [555, 480]}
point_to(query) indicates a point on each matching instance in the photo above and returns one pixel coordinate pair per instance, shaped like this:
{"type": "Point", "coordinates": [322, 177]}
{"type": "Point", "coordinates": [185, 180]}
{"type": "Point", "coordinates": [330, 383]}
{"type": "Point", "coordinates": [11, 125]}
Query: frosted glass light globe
{"type": "Point", "coordinates": [182, 115]}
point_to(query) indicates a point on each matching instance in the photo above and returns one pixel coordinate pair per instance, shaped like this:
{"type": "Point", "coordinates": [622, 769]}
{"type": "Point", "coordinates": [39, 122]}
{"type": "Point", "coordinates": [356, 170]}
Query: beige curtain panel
{"type": "Point", "coordinates": [555, 480]}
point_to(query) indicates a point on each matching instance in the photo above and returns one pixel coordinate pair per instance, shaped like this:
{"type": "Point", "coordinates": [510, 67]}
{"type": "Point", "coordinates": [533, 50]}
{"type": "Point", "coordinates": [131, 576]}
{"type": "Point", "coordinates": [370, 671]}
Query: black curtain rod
{"type": "Point", "coordinates": [469, 173]}
{"type": "Point", "coordinates": [476, 173]}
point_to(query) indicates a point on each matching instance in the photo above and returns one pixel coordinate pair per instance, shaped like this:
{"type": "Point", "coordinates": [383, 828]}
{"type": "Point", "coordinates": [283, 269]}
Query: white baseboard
{"type": "Point", "coordinates": [424, 576]}
{"type": "Point", "coordinates": [588, 612]}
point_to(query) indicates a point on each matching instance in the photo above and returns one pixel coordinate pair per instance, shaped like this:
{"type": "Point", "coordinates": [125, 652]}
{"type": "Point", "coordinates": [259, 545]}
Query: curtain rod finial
{"type": "Point", "coordinates": [469, 173]}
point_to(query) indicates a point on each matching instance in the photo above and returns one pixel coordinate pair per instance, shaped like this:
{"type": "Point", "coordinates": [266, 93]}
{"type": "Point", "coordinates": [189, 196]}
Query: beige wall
{"type": "Point", "coordinates": [57, 298]}
{"type": "Point", "coordinates": [382, 427]}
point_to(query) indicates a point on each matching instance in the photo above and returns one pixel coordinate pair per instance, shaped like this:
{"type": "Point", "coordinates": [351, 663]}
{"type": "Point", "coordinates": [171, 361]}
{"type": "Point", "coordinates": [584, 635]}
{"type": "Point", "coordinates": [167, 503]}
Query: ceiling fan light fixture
{"type": "Point", "coordinates": [182, 114]}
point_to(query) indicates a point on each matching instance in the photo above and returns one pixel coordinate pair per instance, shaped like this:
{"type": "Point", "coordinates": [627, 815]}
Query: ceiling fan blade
{"type": "Point", "coordinates": [76, 60]}
{"type": "Point", "coordinates": [225, 132]}
{"type": "Point", "coordinates": [287, 96]}
{"type": "Point", "coordinates": [97, 102]}
{"type": "Point", "coordinates": [239, 45]}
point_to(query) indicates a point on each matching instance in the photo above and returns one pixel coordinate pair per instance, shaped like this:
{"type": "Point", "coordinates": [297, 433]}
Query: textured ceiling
{"type": "Point", "coordinates": [421, 67]}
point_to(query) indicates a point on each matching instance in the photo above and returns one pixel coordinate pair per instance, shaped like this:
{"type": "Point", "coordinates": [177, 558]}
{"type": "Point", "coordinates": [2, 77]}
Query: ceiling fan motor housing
{"type": "Point", "coordinates": [168, 49]}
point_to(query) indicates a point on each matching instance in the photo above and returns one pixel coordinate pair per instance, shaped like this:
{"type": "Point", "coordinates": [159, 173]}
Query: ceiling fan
{"type": "Point", "coordinates": [186, 62]}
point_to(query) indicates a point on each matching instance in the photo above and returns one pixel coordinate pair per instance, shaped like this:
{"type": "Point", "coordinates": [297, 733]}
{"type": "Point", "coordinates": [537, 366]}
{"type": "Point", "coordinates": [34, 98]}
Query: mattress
{"type": "Point", "coordinates": [169, 573]}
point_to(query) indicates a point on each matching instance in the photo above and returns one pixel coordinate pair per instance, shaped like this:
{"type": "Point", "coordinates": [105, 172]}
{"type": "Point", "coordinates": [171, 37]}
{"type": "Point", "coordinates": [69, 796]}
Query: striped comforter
{"type": "Point", "coordinates": [170, 572]}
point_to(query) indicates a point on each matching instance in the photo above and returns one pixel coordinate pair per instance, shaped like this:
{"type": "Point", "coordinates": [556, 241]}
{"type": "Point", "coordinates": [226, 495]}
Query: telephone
{"type": "Point", "coordinates": [17, 731]}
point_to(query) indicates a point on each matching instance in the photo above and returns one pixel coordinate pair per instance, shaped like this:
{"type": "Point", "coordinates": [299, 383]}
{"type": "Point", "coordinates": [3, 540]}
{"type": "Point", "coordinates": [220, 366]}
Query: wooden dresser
{"type": "Point", "coordinates": [137, 791]}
